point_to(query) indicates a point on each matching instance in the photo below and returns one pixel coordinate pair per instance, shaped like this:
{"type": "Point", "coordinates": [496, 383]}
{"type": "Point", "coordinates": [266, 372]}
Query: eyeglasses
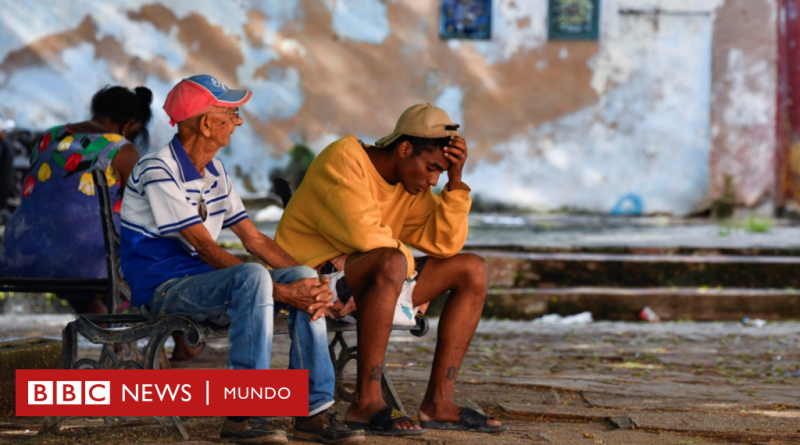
{"type": "Point", "coordinates": [235, 113]}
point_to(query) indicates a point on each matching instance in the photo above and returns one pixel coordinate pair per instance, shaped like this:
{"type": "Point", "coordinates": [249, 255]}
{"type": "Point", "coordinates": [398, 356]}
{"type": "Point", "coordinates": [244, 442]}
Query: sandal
{"type": "Point", "coordinates": [470, 420]}
{"type": "Point", "coordinates": [382, 424]}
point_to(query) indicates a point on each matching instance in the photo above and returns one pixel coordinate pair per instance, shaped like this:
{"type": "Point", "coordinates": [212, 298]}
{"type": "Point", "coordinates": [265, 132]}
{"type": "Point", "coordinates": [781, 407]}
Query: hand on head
{"type": "Point", "coordinates": [456, 153]}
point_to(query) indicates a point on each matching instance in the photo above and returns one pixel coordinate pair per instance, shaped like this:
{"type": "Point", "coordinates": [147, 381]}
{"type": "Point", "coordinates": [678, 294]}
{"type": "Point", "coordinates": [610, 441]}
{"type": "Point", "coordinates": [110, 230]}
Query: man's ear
{"type": "Point", "coordinates": [405, 150]}
{"type": "Point", "coordinates": [205, 125]}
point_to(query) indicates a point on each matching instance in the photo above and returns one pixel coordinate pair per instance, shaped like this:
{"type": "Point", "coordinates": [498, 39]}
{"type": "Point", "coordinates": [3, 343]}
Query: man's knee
{"type": "Point", "coordinates": [391, 266]}
{"type": "Point", "coordinates": [302, 272]}
{"type": "Point", "coordinates": [253, 270]}
{"type": "Point", "coordinates": [256, 280]}
{"type": "Point", "coordinates": [474, 271]}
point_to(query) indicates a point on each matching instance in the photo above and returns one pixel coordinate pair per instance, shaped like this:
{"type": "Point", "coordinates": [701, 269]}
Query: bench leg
{"type": "Point", "coordinates": [340, 360]}
{"type": "Point", "coordinates": [69, 346]}
{"type": "Point", "coordinates": [178, 424]}
{"type": "Point", "coordinates": [388, 391]}
{"type": "Point", "coordinates": [155, 357]}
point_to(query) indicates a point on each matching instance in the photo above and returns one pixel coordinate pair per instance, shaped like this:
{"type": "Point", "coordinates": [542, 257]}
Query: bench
{"type": "Point", "coordinates": [113, 287]}
{"type": "Point", "coordinates": [127, 329]}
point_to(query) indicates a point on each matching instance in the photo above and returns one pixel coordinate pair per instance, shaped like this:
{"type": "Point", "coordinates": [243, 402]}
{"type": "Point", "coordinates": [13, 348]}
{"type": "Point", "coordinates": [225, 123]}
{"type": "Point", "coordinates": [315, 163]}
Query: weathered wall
{"type": "Point", "coordinates": [744, 102]}
{"type": "Point", "coordinates": [588, 125]}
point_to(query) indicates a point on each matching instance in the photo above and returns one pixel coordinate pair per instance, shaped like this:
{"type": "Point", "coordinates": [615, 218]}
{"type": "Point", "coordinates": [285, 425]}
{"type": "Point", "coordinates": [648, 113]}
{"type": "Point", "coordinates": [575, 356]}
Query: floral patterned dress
{"type": "Point", "coordinates": [56, 232]}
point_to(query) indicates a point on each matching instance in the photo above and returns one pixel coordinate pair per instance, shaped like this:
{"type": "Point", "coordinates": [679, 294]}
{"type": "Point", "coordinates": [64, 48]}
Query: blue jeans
{"type": "Point", "coordinates": [242, 296]}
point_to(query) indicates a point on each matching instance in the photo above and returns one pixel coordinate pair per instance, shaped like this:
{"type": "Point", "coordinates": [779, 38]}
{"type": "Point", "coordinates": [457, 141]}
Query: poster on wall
{"type": "Point", "coordinates": [466, 19]}
{"type": "Point", "coordinates": [574, 19]}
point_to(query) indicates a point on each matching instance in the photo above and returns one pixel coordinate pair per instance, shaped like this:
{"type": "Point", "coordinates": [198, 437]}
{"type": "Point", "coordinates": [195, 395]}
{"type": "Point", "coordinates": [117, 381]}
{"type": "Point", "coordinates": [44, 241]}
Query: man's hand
{"type": "Point", "coordinates": [333, 312]}
{"type": "Point", "coordinates": [456, 153]}
{"type": "Point", "coordinates": [309, 294]}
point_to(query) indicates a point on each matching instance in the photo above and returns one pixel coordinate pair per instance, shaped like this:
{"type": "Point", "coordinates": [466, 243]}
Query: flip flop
{"type": "Point", "coordinates": [470, 420]}
{"type": "Point", "coordinates": [382, 424]}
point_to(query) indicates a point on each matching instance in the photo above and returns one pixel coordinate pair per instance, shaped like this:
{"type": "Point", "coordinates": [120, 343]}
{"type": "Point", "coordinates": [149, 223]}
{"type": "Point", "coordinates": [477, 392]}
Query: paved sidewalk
{"type": "Point", "coordinates": [602, 383]}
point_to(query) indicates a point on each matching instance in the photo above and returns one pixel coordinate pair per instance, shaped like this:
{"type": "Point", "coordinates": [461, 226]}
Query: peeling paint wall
{"type": "Point", "coordinates": [648, 119]}
{"type": "Point", "coordinates": [643, 146]}
{"type": "Point", "coordinates": [744, 102]}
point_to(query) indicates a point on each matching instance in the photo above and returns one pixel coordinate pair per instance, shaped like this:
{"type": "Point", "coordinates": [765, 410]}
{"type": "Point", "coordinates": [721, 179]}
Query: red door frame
{"type": "Point", "coordinates": [787, 118]}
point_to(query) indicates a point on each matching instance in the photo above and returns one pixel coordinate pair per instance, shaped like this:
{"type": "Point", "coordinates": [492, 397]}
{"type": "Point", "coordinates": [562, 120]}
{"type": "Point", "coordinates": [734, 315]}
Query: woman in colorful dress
{"type": "Point", "coordinates": [56, 232]}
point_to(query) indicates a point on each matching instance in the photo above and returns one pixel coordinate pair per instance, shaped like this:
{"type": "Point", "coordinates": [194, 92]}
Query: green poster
{"type": "Point", "coordinates": [574, 19]}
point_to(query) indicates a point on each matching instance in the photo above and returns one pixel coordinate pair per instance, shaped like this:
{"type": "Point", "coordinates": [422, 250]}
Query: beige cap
{"type": "Point", "coordinates": [424, 121]}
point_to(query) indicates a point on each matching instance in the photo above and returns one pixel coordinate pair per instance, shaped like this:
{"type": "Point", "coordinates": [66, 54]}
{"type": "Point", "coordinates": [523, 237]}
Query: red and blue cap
{"type": "Point", "coordinates": [192, 96]}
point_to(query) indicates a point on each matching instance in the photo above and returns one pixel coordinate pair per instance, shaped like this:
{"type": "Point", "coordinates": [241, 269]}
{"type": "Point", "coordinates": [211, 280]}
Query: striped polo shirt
{"type": "Point", "coordinates": [164, 195]}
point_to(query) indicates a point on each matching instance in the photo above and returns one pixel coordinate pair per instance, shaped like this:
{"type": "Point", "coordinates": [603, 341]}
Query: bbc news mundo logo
{"type": "Point", "coordinates": [73, 392]}
{"type": "Point", "coordinates": [182, 392]}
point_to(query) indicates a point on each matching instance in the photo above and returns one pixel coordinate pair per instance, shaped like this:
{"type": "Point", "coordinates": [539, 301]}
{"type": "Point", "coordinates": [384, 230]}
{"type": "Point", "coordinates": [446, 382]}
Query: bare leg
{"type": "Point", "coordinates": [375, 279]}
{"type": "Point", "coordinates": [87, 305]}
{"type": "Point", "coordinates": [466, 276]}
{"type": "Point", "coordinates": [93, 306]}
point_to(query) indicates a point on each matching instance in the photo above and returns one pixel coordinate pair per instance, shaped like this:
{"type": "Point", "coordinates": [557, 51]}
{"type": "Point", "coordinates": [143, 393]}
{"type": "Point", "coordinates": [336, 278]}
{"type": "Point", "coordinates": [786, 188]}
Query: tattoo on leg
{"type": "Point", "coordinates": [375, 373]}
{"type": "Point", "coordinates": [452, 372]}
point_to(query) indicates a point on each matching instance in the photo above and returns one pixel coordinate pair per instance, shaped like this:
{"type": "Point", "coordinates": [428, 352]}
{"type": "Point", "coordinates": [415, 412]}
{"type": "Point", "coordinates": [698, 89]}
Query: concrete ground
{"type": "Point", "coordinates": [600, 383]}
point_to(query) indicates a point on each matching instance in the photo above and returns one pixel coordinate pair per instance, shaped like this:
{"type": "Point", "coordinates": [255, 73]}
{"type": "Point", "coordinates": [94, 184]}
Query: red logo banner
{"type": "Point", "coordinates": [183, 392]}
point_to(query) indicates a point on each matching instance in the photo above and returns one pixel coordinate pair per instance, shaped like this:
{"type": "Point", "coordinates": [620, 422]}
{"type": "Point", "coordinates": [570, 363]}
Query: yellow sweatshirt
{"type": "Point", "coordinates": [345, 206]}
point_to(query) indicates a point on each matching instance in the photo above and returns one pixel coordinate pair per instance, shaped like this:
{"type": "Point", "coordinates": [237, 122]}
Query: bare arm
{"type": "Point", "coordinates": [309, 294]}
{"type": "Point", "coordinates": [208, 250]}
{"type": "Point", "coordinates": [262, 246]}
{"type": "Point", "coordinates": [123, 164]}
{"type": "Point", "coordinates": [456, 153]}
{"type": "Point", "coordinates": [439, 227]}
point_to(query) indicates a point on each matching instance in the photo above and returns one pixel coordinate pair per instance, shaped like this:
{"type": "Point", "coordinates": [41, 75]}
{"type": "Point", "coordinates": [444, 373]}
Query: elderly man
{"type": "Point", "coordinates": [356, 210]}
{"type": "Point", "coordinates": [177, 201]}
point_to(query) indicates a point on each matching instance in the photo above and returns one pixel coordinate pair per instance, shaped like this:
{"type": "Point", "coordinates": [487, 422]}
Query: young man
{"type": "Point", "coordinates": [357, 209]}
{"type": "Point", "coordinates": [177, 201]}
